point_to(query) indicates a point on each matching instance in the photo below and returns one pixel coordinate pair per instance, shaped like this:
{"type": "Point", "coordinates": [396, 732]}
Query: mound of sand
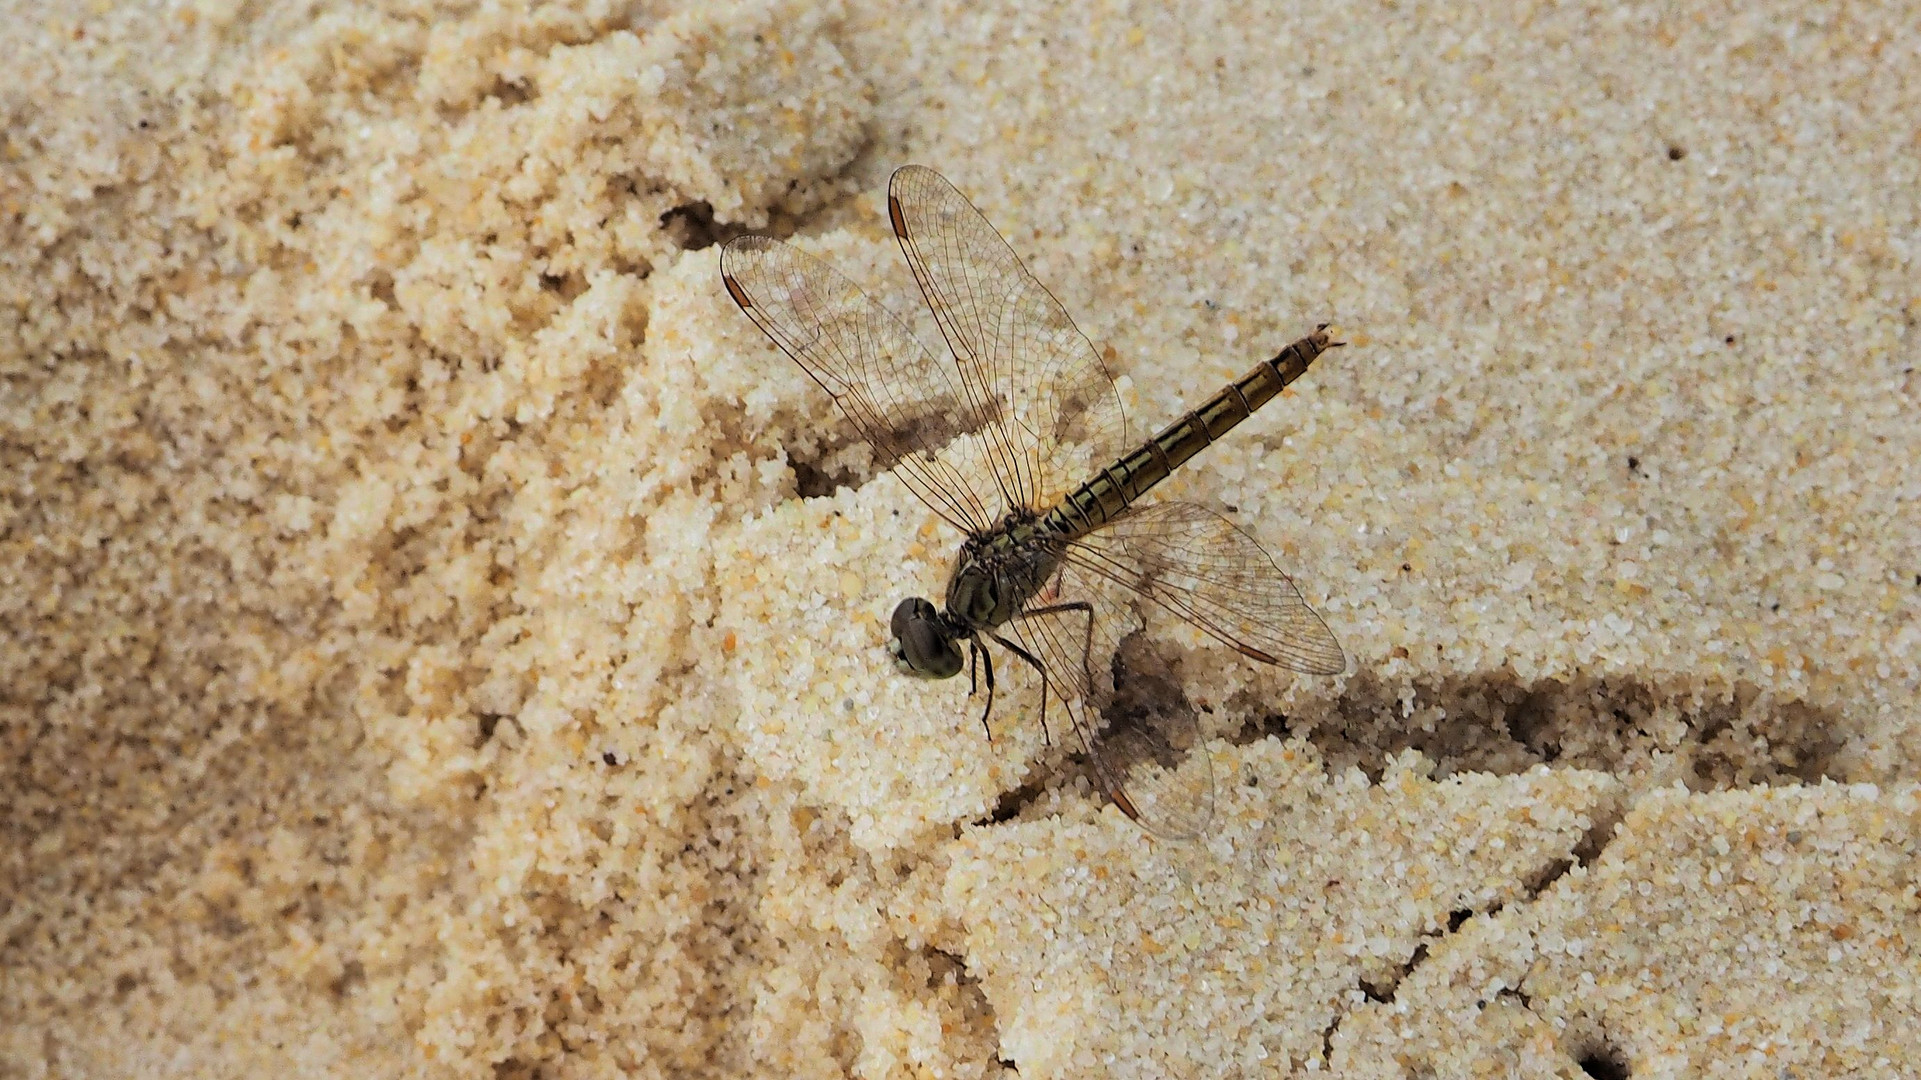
{"type": "Point", "coordinates": [443, 637]}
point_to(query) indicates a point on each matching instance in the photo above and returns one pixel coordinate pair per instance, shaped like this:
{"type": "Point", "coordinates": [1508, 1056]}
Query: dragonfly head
{"type": "Point", "coordinates": [924, 641]}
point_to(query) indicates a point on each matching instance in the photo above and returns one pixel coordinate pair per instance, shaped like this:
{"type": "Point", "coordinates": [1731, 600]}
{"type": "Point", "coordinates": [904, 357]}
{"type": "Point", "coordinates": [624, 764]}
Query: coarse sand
{"type": "Point", "coordinates": [443, 637]}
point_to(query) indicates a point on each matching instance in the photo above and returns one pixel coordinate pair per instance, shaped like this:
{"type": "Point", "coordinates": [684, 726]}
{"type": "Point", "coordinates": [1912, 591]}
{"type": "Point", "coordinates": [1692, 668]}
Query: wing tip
{"type": "Point", "coordinates": [1332, 669]}
{"type": "Point", "coordinates": [734, 290]}
{"type": "Point", "coordinates": [896, 215]}
{"type": "Point", "coordinates": [912, 172]}
{"type": "Point", "coordinates": [1332, 662]}
{"type": "Point", "coordinates": [913, 181]}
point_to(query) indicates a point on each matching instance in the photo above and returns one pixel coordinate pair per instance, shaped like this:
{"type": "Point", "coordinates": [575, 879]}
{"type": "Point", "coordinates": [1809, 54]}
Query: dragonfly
{"type": "Point", "coordinates": [1019, 441]}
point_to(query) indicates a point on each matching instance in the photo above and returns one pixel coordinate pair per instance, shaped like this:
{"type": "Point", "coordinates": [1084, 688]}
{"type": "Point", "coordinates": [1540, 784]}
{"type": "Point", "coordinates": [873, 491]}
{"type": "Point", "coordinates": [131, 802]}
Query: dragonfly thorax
{"type": "Point", "coordinates": [997, 573]}
{"type": "Point", "coordinates": [994, 577]}
{"type": "Point", "coordinates": [974, 596]}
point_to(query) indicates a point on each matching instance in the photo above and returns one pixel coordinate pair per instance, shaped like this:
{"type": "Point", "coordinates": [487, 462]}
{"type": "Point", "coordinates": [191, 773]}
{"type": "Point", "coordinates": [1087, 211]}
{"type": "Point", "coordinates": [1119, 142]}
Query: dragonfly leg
{"type": "Point", "coordinates": [1087, 635]}
{"type": "Point", "coordinates": [973, 687]}
{"type": "Point", "coordinates": [975, 648]}
{"type": "Point", "coordinates": [1047, 737]}
{"type": "Point", "coordinates": [1033, 663]}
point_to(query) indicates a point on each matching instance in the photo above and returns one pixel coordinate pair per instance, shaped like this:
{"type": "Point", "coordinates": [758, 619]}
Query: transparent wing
{"type": "Point", "coordinates": [1035, 388]}
{"type": "Point", "coordinates": [1196, 565]}
{"type": "Point", "coordinates": [1190, 562]}
{"type": "Point", "coordinates": [1146, 752]}
{"type": "Point", "coordinates": [905, 403]}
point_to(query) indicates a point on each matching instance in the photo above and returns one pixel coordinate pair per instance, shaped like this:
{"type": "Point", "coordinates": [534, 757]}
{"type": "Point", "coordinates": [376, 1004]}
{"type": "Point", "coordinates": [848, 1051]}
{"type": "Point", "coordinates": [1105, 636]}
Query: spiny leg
{"type": "Point", "coordinates": [975, 648]}
{"type": "Point", "coordinates": [1037, 666]}
{"type": "Point", "coordinates": [973, 687]}
{"type": "Point", "coordinates": [1087, 649]}
{"type": "Point", "coordinates": [1087, 633]}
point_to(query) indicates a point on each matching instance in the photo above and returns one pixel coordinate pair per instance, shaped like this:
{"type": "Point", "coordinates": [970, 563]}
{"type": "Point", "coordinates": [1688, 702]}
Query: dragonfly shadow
{"type": "Point", "coordinates": [1713, 736]}
{"type": "Point", "coordinates": [1147, 689]}
{"type": "Point", "coordinates": [1719, 735]}
{"type": "Point", "coordinates": [1147, 704]}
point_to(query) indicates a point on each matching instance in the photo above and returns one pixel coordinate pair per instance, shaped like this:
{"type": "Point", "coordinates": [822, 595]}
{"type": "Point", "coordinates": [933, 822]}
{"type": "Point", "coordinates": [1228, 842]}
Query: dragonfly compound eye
{"type": "Point", "coordinates": [922, 645]}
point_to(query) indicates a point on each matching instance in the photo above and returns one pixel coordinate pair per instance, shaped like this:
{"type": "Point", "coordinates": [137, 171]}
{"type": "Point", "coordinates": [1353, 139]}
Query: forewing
{"type": "Point", "coordinates": [1036, 389]}
{"type": "Point", "coordinates": [1198, 566]}
{"type": "Point", "coordinates": [905, 403]}
{"type": "Point", "coordinates": [1146, 753]}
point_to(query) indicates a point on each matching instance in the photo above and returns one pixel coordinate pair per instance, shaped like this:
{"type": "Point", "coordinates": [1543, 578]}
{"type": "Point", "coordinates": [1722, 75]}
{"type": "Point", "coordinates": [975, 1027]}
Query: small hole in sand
{"type": "Point", "coordinates": [1604, 1063]}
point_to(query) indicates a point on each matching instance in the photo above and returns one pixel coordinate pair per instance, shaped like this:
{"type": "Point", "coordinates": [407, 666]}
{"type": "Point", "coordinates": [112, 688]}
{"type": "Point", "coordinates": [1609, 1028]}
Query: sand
{"type": "Point", "coordinates": [443, 637]}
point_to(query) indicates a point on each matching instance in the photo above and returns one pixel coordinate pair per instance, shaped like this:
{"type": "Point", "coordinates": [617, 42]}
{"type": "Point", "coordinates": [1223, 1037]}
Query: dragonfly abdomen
{"type": "Point", "coordinates": [1116, 487]}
